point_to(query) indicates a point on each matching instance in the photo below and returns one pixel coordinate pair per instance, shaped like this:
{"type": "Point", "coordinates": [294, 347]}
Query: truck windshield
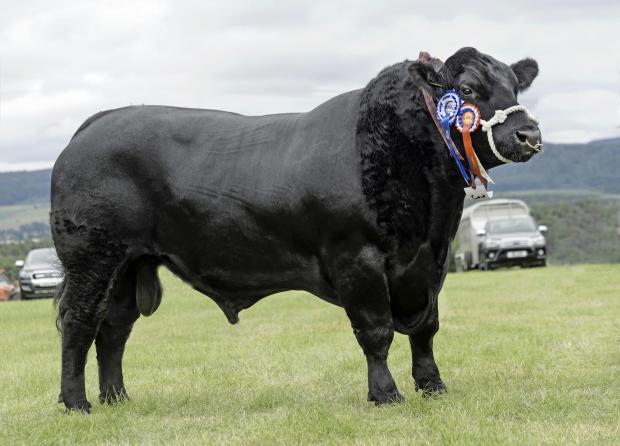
{"type": "Point", "coordinates": [512, 225]}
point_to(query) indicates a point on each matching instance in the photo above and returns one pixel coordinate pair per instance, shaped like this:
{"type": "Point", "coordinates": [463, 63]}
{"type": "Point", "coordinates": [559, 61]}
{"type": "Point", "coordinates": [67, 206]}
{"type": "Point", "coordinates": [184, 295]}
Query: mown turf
{"type": "Point", "coordinates": [529, 357]}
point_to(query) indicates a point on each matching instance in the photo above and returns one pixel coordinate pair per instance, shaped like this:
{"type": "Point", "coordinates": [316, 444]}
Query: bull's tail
{"type": "Point", "coordinates": [57, 296]}
{"type": "Point", "coordinates": [148, 291]}
{"type": "Point", "coordinates": [148, 287]}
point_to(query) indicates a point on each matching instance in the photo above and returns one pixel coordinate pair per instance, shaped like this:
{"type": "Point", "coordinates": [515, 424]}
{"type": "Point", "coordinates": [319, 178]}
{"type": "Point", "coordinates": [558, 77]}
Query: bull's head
{"type": "Point", "coordinates": [490, 85]}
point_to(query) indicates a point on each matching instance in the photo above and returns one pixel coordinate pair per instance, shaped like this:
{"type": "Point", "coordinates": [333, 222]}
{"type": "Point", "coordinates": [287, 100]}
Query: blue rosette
{"type": "Point", "coordinates": [448, 107]}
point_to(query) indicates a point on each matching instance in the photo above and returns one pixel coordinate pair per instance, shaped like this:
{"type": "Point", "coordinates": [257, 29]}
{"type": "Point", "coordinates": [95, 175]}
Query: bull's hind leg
{"type": "Point", "coordinates": [78, 334]}
{"type": "Point", "coordinates": [362, 290]}
{"type": "Point", "coordinates": [90, 269]}
{"type": "Point", "coordinates": [82, 309]}
{"type": "Point", "coordinates": [112, 337]}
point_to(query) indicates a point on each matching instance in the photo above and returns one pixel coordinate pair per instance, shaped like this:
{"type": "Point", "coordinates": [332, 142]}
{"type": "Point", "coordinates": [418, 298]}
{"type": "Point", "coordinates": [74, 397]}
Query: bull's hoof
{"type": "Point", "coordinates": [432, 388]}
{"type": "Point", "coordinates": [82, 406]}
{"type": "Point", "coordinates": [113, 396]}
{"type": "Point", "coordinates": [381, 398]}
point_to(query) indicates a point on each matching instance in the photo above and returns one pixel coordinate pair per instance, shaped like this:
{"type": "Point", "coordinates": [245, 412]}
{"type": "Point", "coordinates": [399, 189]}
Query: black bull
{"type": "Point", "coordinates": [355, 201]}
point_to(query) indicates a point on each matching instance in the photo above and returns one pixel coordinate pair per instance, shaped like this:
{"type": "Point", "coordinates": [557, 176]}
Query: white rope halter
{"type": "Point", "coordinates": [498, 118]}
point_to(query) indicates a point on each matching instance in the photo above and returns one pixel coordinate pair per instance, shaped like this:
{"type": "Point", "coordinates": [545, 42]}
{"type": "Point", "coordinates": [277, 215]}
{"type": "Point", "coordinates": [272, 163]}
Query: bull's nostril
{"type": "Point", "coordinates": [528, 136]}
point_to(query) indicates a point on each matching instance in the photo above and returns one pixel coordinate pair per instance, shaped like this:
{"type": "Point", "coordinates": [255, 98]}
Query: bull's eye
{"type": "Point", "coordinates": [466, 91]}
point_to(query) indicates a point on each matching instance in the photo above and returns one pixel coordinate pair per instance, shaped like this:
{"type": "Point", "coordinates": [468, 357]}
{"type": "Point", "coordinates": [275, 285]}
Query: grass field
{"type": "Point", "coordinates": [529, 357]}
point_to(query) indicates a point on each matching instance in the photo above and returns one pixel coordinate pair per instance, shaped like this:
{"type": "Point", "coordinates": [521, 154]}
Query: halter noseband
{"type": "Point", "coordinates": [498, 118]}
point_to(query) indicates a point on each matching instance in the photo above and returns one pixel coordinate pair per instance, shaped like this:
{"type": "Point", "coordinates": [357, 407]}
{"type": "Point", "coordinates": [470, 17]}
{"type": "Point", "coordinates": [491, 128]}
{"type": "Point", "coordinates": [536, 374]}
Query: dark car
{"type": "Point", "coordinates": [41, 273]}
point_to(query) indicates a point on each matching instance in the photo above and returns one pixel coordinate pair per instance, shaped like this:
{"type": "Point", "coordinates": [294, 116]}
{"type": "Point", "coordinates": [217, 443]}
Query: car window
{"type": "Point", "coordinates": [510, 225]}
{"type": "Point", "coordinates": [3, 279]}
{"type": "Point", "coordinates": [41, 257]}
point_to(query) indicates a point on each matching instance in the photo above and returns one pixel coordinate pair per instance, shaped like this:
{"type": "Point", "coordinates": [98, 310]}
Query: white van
{"type": "Point", "coordinates": [496, 233]}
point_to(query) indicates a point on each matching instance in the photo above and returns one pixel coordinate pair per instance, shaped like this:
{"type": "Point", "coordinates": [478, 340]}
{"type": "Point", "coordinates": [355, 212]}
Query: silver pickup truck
{"type": "Point", "coordinates": [499, 233]}
{"type": "Point", "coordinates": [40, 274]}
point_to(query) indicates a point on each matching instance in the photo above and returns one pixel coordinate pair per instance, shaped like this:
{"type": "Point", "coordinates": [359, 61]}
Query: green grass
{"type": "Point", "coordinates": [529, 357]}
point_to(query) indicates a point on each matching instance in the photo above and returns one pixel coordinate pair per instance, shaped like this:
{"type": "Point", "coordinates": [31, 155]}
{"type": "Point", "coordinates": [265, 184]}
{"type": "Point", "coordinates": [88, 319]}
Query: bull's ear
{"type": "Point", "coordinates": [526, 71]}
{"type": "Point", "coordinates": [424, 76]}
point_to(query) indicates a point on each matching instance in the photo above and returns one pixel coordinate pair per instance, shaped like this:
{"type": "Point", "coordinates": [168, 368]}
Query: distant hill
{"type": "Point", "coordinates": [25, 187]}
{"type": "Point", "coordinates": [588, 167]}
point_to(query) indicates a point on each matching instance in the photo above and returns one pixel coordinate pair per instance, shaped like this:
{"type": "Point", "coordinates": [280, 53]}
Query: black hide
{"type": "Point", "coordinates": [355, 201]}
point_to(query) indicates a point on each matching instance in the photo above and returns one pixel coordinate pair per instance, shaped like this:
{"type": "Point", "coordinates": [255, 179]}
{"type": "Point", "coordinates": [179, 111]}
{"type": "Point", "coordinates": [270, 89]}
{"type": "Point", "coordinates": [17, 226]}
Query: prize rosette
{"type": "Point", "coordinates": [468, 117]}
{"type": "Point", "coordinates": [448, 106]}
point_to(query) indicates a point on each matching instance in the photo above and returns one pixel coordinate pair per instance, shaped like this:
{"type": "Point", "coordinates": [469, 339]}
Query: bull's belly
{"type": "Point", "coordinates": [236, 277]}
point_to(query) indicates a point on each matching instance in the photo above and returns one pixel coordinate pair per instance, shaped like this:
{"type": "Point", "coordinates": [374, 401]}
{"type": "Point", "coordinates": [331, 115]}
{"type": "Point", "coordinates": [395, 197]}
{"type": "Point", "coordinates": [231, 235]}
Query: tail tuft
{"type": "Point", "coordinates": [57, 297]}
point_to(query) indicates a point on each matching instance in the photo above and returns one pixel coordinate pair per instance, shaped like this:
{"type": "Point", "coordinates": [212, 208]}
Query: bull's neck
{"type": "Point", "coordinates": [406, 168]}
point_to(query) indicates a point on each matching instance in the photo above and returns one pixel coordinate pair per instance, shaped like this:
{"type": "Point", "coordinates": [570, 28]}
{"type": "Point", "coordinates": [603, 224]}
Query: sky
{"type": "Point", "coordinates": [63, 61]}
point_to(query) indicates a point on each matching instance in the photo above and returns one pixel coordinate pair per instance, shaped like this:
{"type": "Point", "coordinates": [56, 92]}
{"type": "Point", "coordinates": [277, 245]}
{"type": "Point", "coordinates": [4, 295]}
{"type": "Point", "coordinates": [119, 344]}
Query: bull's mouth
{"type": "Point", "coordinates": [518, 152]}
{"type": "Point", "coordinates": [521, 150]}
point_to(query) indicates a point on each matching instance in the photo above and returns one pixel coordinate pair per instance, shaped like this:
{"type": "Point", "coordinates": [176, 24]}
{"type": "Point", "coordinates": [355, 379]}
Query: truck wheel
{"type": "Point", "coordinates": [467, 261]}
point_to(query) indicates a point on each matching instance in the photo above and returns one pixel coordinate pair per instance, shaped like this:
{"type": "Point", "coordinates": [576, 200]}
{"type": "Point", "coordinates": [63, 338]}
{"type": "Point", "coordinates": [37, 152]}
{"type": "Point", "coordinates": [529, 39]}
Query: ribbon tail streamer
{"type": "Point", "coordinates": [455, 154]}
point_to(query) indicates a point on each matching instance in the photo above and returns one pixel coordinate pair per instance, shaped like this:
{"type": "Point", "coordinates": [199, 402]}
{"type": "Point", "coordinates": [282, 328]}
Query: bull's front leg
{"type": "Point", "coordinates": [424, 369]}
{"type": "Point", "coordinates": [362, 290]}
